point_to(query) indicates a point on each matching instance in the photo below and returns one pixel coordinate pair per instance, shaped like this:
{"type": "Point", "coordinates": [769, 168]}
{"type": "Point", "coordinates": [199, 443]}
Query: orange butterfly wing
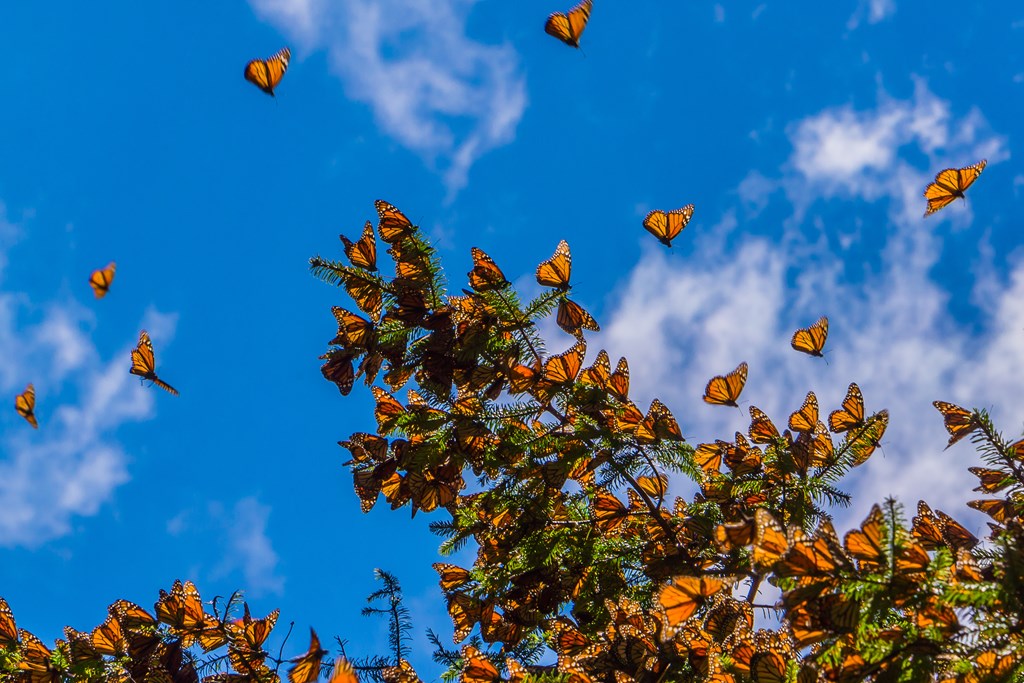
{"type": "Point", "coordinates": [805, 419]}
{"type": "Point", "coordinates": [362, 254]}
{"type": "Point", "coordinates": [556, 270]}
{"type": "Point", "coordinates": [811, 340]}
{"type": "Point", "coordinates": [265, 74]}
{"type": "Point", "coordinates": [959, 421]}
{"type": "Point", "coordinates": [568, 27]}
{"type": "Point", "coordinates": [724, 390]}
{"type": "Point", "coordinates": [307, 667]}
{"type": "Point", "coordinates": [25, 404]}
{"type": "Point", "coordinates": [101, 278]}
{"type": "Point", "coordinates": [144, 363]}
{"type": "Point", "coordinates": [572, 317]}
{"type": "Point", "coordinates": [852, 412]}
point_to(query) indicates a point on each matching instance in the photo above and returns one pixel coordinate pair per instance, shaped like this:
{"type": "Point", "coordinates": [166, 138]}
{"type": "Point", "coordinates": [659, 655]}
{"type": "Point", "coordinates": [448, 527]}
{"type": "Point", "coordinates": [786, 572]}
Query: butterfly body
{"type": "Point", "coordinates": [265, 74]}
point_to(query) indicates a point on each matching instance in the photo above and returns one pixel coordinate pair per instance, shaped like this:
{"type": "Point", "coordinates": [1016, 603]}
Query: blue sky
{"type": "Point", "coordinates": [803, 135]}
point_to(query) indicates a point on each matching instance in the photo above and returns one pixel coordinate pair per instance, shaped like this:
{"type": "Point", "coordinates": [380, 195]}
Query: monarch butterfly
{"type": "Point", "coordinates": [609, 512]}
{"type": "Point", "coordinates": [811, 340]}
{"type": "Point", "coordinates": [265, 74]}
{"type": "Point", "coordinates": [338, 369]}
{"type": "Point", "coordinates": [108, 638]}
{"type": "Point", "coordinates": [762, 429]}
{"type": "Point", "coordinates": [387, 411]}
{"type": "Point", "coordinates": [144, 363]}
{"type": "Point", "coordinates": [999, 510]}
{"type": "Point", "coordinates": [256, 631]}
{"type": "Point", "coordinates": [724, 390]}
{"type": "Point", "coordinates": [101, 278]}
{"type": "Point", "coordinates": [861, 446]}
{"type": "Point", "coordinates": [992, 481]}
{"type": "Point", "coordinates": [343, 672]}
{"type": "Point", "coordinates": [959, 422]}
{"type": "Point", "coordinates": [403, 673]}
{"type": "Point", "coordinates": [728, 537]}
{"type": "Point", "coordinates": [362, 254]}
{"type": "Point", "coordinates": [572, 317]}
{"type": "Point", "coordinates": [951, 183]}
{"type": "Point", "coordinates": [452, 576]}
{"type": "Point", "coordinates": [681, 598]}
{"type": "Point", "coordinates": [354, 331]}
{"type": "Point", "coordinates": [182, 610]}
{"type": "Point", "coordinates": [938, 528]}
{"type": "Point", "coordinates": [8, 629]}
{"type": "Point", "coordinates": [80, 645]}
{"type": "Point", "coordinates": [36, 663]}
{"type": "Point", "coordinates": [618, 383]}
{"type": "Point", "coordinates": [658, 424]}
{"type": "Point", "coordinates": [556, 270]}
{"type": "Point", "coordinates": [25, 404]}
{"type": "Point", "coordinates": [805, 419]}
{"type": "Point", "coordinates": [131, 615]}
{"type": "Point", "coordinates": [666, 226]}
{"type": "Point", "coordinates": [307, 667]}
{"type": "Point", "coordinates": [485, 274]}
{"type": "Point", "coordinates": [852, 412]}
{"type": "Point", "coordinates": [568, 27]}
{"type": "Point", "coordinates": [465, 611]}
{"type": "Point", "coordinates": [813, 449]}
{"type": "Point", "coordinates": [770, 540]}
{"type": "Point", "coordinates": [866, 544]}
{"type": "Point", "coordinates": [393, 225]}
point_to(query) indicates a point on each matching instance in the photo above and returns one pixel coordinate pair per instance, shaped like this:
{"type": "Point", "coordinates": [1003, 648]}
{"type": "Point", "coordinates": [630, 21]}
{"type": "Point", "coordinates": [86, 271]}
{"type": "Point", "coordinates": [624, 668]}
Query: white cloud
{"type": "Point", "coordinates": [891, 328]}
{"type": "Point", "coordinates": [247, 546]}
{"type": "Point", "coordinates": [71, 465]}
{"type": "Point", "coordinates": [431, 87]}
{"type": "Point", "coordinates": [876, 11]}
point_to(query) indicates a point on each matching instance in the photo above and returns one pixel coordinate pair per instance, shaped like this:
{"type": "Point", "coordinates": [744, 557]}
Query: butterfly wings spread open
{"type": "Point", "coordinates": [144, 363]}
{"type": "Point", "coordinates": [950, 184]}
{"type": "Point", "coordinates": [265, 74]}
{"type": "Point", "coordinates": [25, 404]}
{"type": "Point", "coordinates": [568, 26]}
{"type": "Point", "coordinates": [101, 278]}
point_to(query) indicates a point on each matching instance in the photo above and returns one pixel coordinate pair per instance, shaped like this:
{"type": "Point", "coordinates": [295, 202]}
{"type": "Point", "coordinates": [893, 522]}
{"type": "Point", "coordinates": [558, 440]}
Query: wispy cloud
{"type": "Point", "coordinates": [892, 331]}
{"type": "Point", "coordinates": [248, 549]}
{"type": "Point", "coordinates": [874, 10]}
{"type": "Point", "coordinates": [433, 88]}
{"type": "Point", "coordinates": [71, 465]}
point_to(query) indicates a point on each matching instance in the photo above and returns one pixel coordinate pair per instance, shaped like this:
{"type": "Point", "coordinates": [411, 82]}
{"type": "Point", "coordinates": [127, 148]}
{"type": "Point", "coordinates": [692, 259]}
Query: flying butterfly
{"type": "Point", "coordinates": [950, 184]}
{"type": "Point", "coordinates": [362, 254]}
{"type": "Point", "coordinates": [144, 363]}
{"type": "Point", "coordinates": [265, 74]}
{"type": "Point", "coordinates": [811, 340]}
{"type": "Point", "coordinates": [25, 404]}
{"type": "Point", "coordinates": [307, 667]}
{"type": "Point", "coordinates": [723, 390]}
{"type": "Point", "coordinates": [101, 278]}
{"type": "Point", "coordinates": [666, 226]}
{"type": "Point", "coordinates": [959, 422]}
{"type": "Point", "coordinates": [568, 26]}
{"type": "Point", "coordinates": [556, 270]}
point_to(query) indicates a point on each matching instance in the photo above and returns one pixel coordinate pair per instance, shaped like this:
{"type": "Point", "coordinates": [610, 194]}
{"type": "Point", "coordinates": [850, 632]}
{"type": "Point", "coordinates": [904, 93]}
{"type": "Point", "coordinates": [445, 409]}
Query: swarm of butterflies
{"type": "Point", "coordinates": [550, 439]}
{"type": "Point", "coordinates": [133, 644]}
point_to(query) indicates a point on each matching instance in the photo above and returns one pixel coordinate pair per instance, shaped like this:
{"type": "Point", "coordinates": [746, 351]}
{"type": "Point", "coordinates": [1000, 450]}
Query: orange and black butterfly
{"type": "Point", "coordinates": [556, 270]}
{"type": "Point", "coordinates": [485, 274]}
{"type": "Point", "coordinates": [265, 74]}
{"type": "Point", "coordinates": [959, 422]}
{"type": "Point", "coordinates": [343, 672]}
{"type": "Point", "coordinates": [108, 638]}
{"type": "Point", "coordinates": [811, 340]}
{"type": "Point", "coordinates": [723, 390]}
{"type": "Point", "coordinates": [681, 598]}
{"type": "Point", "coordinates": [868, 543]}
{"type": "Point", "coordinates": [101, 278]}
{"type": "Point", "coordinates": [568, 26]}
{"type": "Point", "coordinates": [307, 667]}
{"type": "Point", "coordinates": [851, 414]}
{"type": "Point", "coordinates": [805, 419]}
{"type": "Point", "coordinates": [8, 629]}
{"type": "Point", "coordinates": [362, 254]}
{"type": "Point", "coordinates": [393, 225]}
{"type": "Point", "coordinates": [572, 317]}
{"type": "Point", "coordinates": [144, 363]}
{"type": "Point", "coordinates": [25, 404]}
{"type": "Point", "coordinates": [476, 668]}
{"type": "Point", "coordinates": [762, 429]}
{"type": "Point", "coordinates": [666, 226]}
{"type": "Point", "coordinates": [452, 576]}
{"type": "Point", "coordinates": [862, 444]}
{"type": "Point", "coordinates": [950, 184]}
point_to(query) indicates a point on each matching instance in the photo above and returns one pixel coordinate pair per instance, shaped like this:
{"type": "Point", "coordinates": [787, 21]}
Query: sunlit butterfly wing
{"type": "Point", "coordinates": [343, 672]}
{"type": "Point", "coordinates": [265, 74]}
{"type": "Point", "coordinates": [867, 544]}
{"type": "Point", "coordinates": [811, 340]}
{"type": "Point", "coordinates": [950, 184]}
{"type": "Point", "coordinates": [568, 27]}
{"type": "Point", "coordinates": [685, 594]}
{"type": "Point", "coordinates": [725, 389]}
{"type": "Point", "coordinates": [25, 404]}
{"type": "Point", "coordinates": [959, 422]}
{"type": "Point", "coordinates": [556, 270]}
{"type": "Point", "coordinates": [762, 429]}
{"type": "Point", "coordinates": [8, 629]}
{"type": "Point", "coordinates": [572, 317]}
{"type": "Point", "coordinates": [485, 274]}
{"type": "Point", "coordinates": [362, 254]}
{"type": "Point", "coordinates": [805, 419]}
{"type": "Point", "coordinates": [393, 225]}
{"type": "Point", "coordinates": [101, 278]}
{"type": "Point", "coordinates": [852, 412]}
{"type": "Point", "coordinates": [666, 226]}
{"type": "Point", "coordinates": [144, 363]}
{"type": "Point", "coordinates": [306, 668]}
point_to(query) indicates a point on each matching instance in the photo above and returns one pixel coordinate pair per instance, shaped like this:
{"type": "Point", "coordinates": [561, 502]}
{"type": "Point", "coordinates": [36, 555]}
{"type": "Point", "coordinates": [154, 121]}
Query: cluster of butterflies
{"type": "Point", "coordinates": [135, 639]}
{"type": "Point", "coordinates": [143, 360]}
